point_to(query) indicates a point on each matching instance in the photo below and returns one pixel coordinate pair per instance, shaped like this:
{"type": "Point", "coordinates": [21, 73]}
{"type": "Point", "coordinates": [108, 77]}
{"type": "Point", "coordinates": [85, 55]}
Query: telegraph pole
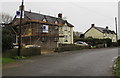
{"type": "Point", "coordinates": [116, 30]}
{"type": "Point", "coordinates": [19, 39]}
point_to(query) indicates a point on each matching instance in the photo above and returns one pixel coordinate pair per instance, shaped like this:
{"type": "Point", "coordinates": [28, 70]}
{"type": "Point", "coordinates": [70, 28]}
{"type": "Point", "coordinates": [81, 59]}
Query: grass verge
{"type": "Point", "coordinates": [7, 60]}
{"type": "Point", "coordinates": [117, 67]}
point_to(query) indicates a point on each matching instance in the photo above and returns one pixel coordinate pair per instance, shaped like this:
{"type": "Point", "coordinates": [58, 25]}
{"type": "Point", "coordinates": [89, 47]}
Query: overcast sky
{"type": "Point", "coordinates": [80, 14]}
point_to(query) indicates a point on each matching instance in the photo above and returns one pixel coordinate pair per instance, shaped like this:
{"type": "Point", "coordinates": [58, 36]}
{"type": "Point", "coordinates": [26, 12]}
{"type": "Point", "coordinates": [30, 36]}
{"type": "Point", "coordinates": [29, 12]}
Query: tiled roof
{"type": "Point", "coordinates": [40, 17]}
{"type": "Point", "coordinates": [34, 16]}
{"type": "Point", "coordinates": [104, 30]}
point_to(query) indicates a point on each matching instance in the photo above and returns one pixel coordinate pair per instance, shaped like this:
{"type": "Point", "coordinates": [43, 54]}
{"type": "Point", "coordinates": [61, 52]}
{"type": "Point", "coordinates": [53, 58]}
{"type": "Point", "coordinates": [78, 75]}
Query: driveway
{"type": "Point", "coordinates": [91, 62]}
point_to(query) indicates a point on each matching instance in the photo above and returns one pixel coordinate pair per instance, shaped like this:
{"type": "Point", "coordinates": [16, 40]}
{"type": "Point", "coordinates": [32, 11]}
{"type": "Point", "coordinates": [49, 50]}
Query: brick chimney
{"type": "Point", "coordinates": [92, 25]}
{"type": "Point", "coordinates": [60, 15]}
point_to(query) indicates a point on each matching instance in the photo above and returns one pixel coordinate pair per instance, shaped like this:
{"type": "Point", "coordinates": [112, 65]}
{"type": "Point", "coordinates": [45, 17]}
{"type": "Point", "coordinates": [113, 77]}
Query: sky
{"type": "Point", "coordinates": [81, 13]}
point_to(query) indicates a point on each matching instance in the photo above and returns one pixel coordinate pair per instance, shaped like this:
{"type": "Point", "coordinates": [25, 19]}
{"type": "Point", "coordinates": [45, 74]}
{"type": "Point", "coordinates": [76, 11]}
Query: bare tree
{"type": "Point", "coordinates": [5, 18]}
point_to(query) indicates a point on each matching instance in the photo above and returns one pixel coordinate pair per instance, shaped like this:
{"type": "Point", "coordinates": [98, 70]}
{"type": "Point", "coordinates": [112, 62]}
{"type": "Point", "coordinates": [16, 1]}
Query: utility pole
{"type": "Point", "coordinates": [19, 39]}
{"type": "Point", "coordinates": [116, 30]}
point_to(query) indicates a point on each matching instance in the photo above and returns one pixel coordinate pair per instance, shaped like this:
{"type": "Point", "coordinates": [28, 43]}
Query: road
{"type": "Point", "coordinates": [91, 62]}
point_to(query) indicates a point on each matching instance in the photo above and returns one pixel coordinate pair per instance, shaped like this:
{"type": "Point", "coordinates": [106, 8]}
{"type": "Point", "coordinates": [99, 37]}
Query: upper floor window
{"type": "Point", "coordinates": [65, 28]}
{"type": "Point", "coordinates": [65, 38]}
{"type": "Point", "coordinates": [45, 28]}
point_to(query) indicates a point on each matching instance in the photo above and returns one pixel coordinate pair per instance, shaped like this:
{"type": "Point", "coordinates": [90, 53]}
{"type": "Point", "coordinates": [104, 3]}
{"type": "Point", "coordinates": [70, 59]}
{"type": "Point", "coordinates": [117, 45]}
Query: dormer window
{"type": "Point", "coordinates": [44, 20]}
{"type": "Point", "coordinates": [65, 23]}
{"type": "Point", "coordinates": [56, 22]}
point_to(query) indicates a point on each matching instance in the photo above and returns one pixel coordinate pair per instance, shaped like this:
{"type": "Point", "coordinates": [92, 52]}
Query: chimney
{"type": "Point", "coordinates": [20, 7]}
{"type": "Point", "coordinates": [106, 27]}
{"type": "Point", "coordinates": [92, 25]}
{"type": "Point", "coordinates": [60, 15]}
{"type": "Point", "coordinates": [30, 11]}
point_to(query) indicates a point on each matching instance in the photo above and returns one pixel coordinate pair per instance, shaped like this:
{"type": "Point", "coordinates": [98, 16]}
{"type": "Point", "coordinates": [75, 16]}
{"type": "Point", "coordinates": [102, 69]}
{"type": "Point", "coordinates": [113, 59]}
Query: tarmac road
{"type": "Point", "coordinates": [91, 62]}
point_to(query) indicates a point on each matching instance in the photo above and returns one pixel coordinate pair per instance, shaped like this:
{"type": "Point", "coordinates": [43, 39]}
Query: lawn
{"type": "Point", "coordinates": [117, 68]}
{"type": "Point", "coordinates": [7, 60]}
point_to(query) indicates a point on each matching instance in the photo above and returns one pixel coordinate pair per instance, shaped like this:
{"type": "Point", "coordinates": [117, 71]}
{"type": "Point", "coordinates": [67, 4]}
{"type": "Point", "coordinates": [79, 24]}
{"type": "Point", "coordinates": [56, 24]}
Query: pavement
{"type": "Point", "coordinates": [90, 62]}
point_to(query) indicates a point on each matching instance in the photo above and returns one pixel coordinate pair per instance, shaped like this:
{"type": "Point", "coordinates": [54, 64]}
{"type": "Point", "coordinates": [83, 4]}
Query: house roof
{"type": "Point", "coordinates": [40, 17]}
{"type": "Point", "coordinates": [102, 30]}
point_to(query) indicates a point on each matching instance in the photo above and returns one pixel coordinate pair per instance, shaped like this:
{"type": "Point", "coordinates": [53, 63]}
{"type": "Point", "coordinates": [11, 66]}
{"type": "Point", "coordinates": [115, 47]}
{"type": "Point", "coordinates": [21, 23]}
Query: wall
{"type": "Point", "coordinates": [94, 34]}
{"type": "Point", "coordinates": [66, 33]}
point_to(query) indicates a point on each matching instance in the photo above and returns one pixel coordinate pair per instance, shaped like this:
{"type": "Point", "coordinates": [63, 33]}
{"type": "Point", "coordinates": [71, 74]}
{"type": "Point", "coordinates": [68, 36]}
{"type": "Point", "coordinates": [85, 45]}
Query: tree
{"type": "Point", "coordinates": [7, 39]}
{"type": "Point", "coordinates": [7, 36]}
{"type": "Point", "coordinates": [5, 19]}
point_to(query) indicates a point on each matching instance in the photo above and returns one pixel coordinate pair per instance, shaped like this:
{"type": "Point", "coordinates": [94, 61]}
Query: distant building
{"type": "Point", "coordinates": [43, 30]}
{"type": "Point", "coordinates": [65, 31]}
{"type": "Point", "coordinates": [100, 33]}
{"type": "Point", "coordinates": [76, 33]}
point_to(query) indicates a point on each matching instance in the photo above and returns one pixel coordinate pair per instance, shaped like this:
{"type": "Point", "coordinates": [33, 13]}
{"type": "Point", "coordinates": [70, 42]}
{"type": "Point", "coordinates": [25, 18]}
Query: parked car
{"type": "Point", "coordinates": [15, 45]}
{"type": "Point", "coordinates": [31, 46]}
{"type": "Point", "coordinates": [81, 43]}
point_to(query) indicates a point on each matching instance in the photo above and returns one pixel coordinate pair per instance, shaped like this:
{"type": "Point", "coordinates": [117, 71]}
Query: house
{"type": "Point", "coordinates": [65, 31]}
{"type": "Point", "coordinates": [100, 33]}
{"type": "Point", "coordinates": [42, 30]}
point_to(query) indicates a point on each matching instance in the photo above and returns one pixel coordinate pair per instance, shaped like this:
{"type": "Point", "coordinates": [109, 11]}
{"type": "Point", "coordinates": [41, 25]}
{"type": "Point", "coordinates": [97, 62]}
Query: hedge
{"type": "Point", "coordinates": [69, 47]}
{"type": "Point", "coordinates": [94, 42]}
{"type": "Point", "coordinates": [24, 52]}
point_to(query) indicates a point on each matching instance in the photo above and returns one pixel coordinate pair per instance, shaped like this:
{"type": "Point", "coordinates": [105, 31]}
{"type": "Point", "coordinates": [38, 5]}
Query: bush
{"type": "Point", "coordinates": [114, 44]}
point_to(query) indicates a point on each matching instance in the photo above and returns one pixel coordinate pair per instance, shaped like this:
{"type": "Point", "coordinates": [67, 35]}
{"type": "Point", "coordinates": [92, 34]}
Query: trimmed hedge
{"type": "Point", "coordinates": [94, 42]}
{"type": "Point", "coordinates": [69, 47]}
{"type": "Point", "coordinates": [24, 52]}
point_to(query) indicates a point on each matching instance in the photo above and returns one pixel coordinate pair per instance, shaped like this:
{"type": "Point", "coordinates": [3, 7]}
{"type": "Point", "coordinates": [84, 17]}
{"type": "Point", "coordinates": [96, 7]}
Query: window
{"type": "Point", "coordinates": [29, 31]}
{"type": "Point", "coordinates": [44, 39]}
{"type": "Point", "coordinates": [65, 38]}
{"type": "Point", "coordinates": [56, 39]}
{"type": "Point", "coordinates": [65, 28]}
{"type": "Point", "coordinates": [56, 22]}
{"type": "Point", "coordinates": [45, 28]}
{"type": "Point", "coordinates": [44, 20]}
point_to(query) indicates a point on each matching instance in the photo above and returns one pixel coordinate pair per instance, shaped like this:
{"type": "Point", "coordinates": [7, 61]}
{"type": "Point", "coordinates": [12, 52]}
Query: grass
{"type": "Point", "coordinates": [117, 68]}
{"type": "Point", "coordinates": [7, 60]}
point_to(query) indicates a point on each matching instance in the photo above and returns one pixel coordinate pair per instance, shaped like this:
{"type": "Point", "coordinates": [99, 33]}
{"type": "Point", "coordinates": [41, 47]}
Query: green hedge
{"type": "Point", "coordinates": [117, 67]}
{"type": "Point", "coordinates": [24, 52]}
{"type": "Point", "coordinates": [69, 47]}
{"type": "Point", "coordinates": [94, 42]}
